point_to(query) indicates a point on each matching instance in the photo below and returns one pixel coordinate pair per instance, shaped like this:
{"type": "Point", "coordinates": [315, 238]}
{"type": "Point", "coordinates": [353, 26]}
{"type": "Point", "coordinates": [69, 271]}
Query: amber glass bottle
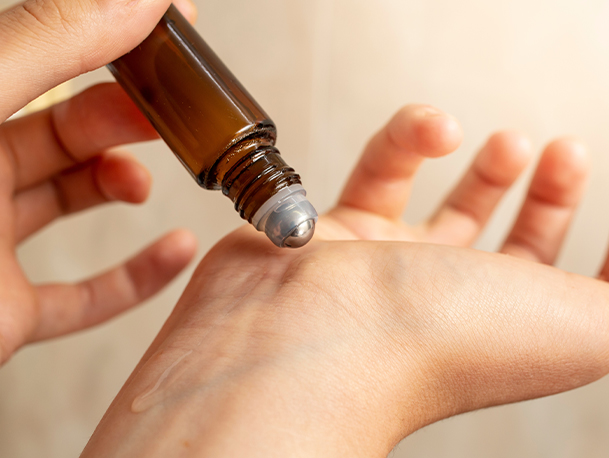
{"type": "Point", "coordinates": [215, 128]}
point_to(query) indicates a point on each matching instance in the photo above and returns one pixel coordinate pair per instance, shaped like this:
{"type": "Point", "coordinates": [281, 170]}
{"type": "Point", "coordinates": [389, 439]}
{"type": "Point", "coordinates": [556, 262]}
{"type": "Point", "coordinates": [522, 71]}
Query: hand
{"type": "Point", "coordinates": [58, 161]}
{"type": "Point", "coordinates": [345, 347]}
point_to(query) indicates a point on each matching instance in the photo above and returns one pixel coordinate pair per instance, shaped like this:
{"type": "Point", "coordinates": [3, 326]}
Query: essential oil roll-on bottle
{"type": "Point", "coordinates": [216, 129]}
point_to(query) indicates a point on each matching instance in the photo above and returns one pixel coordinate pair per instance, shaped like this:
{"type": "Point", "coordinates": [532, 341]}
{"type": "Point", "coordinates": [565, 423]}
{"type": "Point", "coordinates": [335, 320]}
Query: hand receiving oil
{"type": "Point", "coordinates": [56, 162]}
{"type": "Point", "coordinates": [375, 329]}
{"type": "Point", "coordinates": [377, 193]}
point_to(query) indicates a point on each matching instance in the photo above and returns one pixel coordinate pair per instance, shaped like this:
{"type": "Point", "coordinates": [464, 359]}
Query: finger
{"type": "Point", "coordinates": [382, 180]}
{"type": "Point", "coordinates": [553, 196]}
{"type": "Point", "coordinates": [69, 308]}
{"type": "Point", "coordinates": [467, 209]}
{"type": "Point", "coordinates": [47, 42]}
{"type": "Point", "coordinates": [72, 132]}
{"type": "Point", "coordinates": [17, 304]}
{"type": "Point", "coordinates": [107, 178]}
{"type": "Point", "coordinates": [188, 9]}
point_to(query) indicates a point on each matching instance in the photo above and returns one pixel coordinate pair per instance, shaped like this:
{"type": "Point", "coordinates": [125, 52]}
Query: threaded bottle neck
{"type": "Point", "coordinates": [255, 178]}
{"type": "Point", "coordinates": [265, 190]}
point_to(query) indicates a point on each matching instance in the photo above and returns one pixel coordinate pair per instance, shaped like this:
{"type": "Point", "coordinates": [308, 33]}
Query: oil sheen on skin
{"type": "Point", "coordinates": [157, 392]}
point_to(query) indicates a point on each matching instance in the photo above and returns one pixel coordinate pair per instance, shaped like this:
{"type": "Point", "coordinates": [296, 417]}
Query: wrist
{"type": "Point", "coordinates": [242, 409]}
{"type": "Point", "coordinates": [244, 396]}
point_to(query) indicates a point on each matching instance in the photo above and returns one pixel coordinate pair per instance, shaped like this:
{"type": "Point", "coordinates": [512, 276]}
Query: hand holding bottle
{"type": "Point", "coordinates": [375, 329]}
{"type": "Point", "coordinates": [56, 162]}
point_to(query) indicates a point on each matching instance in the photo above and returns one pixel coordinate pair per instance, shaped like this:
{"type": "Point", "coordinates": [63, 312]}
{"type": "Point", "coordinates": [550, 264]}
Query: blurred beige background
{"type": "Point", "coordinates": [331, 73]}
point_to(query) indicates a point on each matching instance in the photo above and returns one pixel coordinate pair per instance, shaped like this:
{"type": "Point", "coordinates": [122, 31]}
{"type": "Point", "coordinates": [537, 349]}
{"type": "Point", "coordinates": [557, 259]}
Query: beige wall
{"type": "Point", "coordinates": [330, 72]}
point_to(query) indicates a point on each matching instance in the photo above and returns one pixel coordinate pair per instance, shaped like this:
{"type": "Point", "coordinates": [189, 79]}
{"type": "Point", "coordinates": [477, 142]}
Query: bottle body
{"type": "Point", "coordinates": [212, 124]}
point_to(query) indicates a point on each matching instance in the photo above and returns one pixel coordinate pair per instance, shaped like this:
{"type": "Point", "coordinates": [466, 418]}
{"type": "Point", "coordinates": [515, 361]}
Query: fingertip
{"type": "Point", "coordinates": [121, 177]}
{"type": "Point", "coordinates": [188, 9]}
{"type": "Point", "coordinates": [570, 149]}
{"type": "Point", "coordinates": [426, 130]}
{"type": "Point", "coordinates": [562, 172]}
{"type": "Point", "coordinates": [121, 113]}
{"type": "Point", "coordinates": [100, 117]}
{"type": "Point", "coordinates": [184, 242]}
{"type": "Point", "coordinates": [438, 136]}
{"type": "Point", "coordinates": [513, 144]}
{"type": "Point", "coordinates": [505, 155]}
{"type": "Point", "coordinates": [175, 250]}
{"type": "Point", "coordinates": [567, 160]}
{"type": "Point", "coordinates": [154, 267]}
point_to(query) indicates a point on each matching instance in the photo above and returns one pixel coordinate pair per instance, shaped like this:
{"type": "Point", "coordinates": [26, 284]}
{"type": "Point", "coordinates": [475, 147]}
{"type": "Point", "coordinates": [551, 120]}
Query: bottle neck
{"type": "Point", "coordinates": [254, 172]}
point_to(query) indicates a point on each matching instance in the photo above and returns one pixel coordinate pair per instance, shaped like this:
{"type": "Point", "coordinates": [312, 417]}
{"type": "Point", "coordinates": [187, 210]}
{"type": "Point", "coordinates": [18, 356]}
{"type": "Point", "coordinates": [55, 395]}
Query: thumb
{"type": "Point", "coordinates": [47, 42]}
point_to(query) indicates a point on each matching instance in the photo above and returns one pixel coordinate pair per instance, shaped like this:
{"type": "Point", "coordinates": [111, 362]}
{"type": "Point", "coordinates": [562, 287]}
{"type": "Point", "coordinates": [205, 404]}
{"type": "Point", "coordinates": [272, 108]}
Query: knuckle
{"type": "Point", "coordinates": [54, 20]}
{"type": "Point", "coordinates": [48, 15]}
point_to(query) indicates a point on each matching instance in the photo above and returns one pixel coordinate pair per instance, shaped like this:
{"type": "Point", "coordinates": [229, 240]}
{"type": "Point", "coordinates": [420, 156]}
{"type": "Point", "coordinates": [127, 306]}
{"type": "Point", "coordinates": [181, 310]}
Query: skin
{"type": "Point", "coordinates": [343, 348]}
{"type": "Point", "coordinates": [58, 161]}
{"type": "Point", "coordinates": [375, 329]}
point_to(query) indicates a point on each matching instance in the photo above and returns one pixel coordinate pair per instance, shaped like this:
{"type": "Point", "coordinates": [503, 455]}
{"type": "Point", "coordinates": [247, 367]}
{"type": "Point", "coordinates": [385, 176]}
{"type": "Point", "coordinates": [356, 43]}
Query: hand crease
{"type": "Point", "coordinates": [50, 27]}
{"type": "Point", "coordinates": [98, 187]}
{"type": "Point", "coordinates": [523, 243]}
{"type": "Point", "coordinates": [7, 145]}
{"type": "Point", "coordinates": [489, 181]}
{"type": "Point", "coordinates": [88, 301]}
{"type": "Point", "coordinates": [30, 11]}
{"type": "Point", "coordinates": [467, 212]}
{"type": "Point", "coordinates": [138, 294]}
{"type": "Point", "coordinates": [61, 197]}
{"type": "Point", "coordinates": [547, 201]}
{"type": "Point", "coordinates": [54, 128]}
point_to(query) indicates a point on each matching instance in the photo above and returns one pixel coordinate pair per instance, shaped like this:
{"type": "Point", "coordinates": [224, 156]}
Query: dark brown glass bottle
{"type": "Point", "coordinates": [215, 128]}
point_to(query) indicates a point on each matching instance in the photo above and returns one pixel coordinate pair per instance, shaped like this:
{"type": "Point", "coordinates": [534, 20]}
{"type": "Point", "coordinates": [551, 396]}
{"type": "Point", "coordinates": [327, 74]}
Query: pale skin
{"type": "Point", "coordinates": [342, 348]}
